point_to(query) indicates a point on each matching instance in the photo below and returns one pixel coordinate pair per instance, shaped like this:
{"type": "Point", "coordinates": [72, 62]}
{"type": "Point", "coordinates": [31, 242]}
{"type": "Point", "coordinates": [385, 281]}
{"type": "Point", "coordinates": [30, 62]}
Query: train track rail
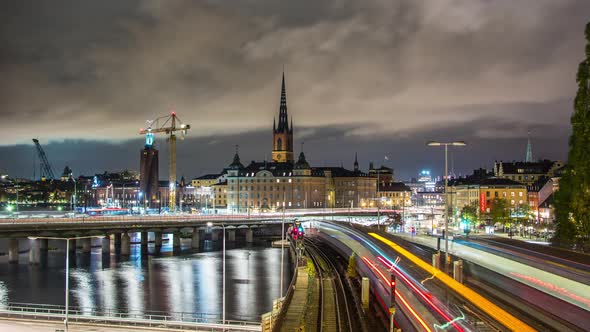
{"type": "Point", "coordinates": [334, 312]}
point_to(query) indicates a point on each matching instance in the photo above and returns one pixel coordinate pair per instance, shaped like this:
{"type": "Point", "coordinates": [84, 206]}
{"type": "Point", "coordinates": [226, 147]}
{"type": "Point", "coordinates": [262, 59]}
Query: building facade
{"type": "Point", "coordinates": [284, 183]}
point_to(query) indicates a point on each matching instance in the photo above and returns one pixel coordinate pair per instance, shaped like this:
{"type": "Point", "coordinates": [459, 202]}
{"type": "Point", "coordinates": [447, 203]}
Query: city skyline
{"type": "Point", "coordinates": [431, 79]}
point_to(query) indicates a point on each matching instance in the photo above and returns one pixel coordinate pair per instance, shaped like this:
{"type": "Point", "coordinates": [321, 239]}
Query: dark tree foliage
{"type": "Point", "coordinates": [572, 201]}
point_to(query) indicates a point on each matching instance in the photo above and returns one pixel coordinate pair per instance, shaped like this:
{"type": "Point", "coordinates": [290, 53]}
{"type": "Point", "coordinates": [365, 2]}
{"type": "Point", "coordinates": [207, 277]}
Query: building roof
{"type": "Point", "coordinates": [208, 177]}
{"type": "Point", "coordinates": [539, 167]}
{"type": "Point", "coordinates": [538, 184]}
{"type": "Point", "coordinates": [491, 181]}
{"type": "Point", "coordinates": [394, 186]}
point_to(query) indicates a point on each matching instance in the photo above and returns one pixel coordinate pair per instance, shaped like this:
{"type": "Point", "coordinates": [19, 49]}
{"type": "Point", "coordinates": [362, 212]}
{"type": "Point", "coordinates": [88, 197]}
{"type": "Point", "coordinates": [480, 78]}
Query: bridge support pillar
{"type": "Point", "coordinates": [158, 241]}
{"type": "Point", "coordinates": [86, 245]}
{"type": "Point", "coordinates": [195, 238]}
{"type": "Point", "coordinates": [144, 242]}
{"type": "Point", "coordinates": [106, 245]}
{"type": "Point", "coordinates": [35, 252]}
{"type": "Point", "coordinates": [231, 235]}
{"type": "Point", "coordinates": [249, 235]}
{"type": "Point", "coordinates": [215, 235]}
{"type": "Point", "coordinates": [125, 244]}
{"type": "Point", "coordinates": [13, 251]}
{"type": "Point", "coordinates": [115, 242]}
{"type": "Point", "coordinates": [73, 246]}
{"type": "Point", "coordinates": [176, 242]}
{"type": "Point", "coordinates": [43, 244]}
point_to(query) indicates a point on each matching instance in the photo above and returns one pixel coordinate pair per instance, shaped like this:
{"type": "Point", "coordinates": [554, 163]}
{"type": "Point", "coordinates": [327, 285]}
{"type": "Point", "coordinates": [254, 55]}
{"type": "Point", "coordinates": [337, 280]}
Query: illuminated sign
{"type": "Point", "coordinates": [482, 202]}
{"type": "Point", "coordinates": [149, 139]}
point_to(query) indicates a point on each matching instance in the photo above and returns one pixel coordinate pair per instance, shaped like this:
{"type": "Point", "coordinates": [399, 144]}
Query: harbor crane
{"type": "Point", "coordinates": [46, 170]}
{"type": "Point", "coordinates": [168, 125]}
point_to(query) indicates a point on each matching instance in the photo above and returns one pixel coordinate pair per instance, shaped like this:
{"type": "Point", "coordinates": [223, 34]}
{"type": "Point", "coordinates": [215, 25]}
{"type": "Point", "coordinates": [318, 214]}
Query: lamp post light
{"type": "Point", "coordinates": [446, 145]}
{"type": "Point", "coordinates": [210, 224]}
{"type": "Point", "coordinates": [67, 291]}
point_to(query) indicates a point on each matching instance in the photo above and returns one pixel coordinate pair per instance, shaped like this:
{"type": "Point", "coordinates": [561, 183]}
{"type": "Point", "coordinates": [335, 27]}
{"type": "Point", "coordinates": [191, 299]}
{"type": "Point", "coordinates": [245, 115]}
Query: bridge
{"type": "Point", "coordinates": [115, 231]}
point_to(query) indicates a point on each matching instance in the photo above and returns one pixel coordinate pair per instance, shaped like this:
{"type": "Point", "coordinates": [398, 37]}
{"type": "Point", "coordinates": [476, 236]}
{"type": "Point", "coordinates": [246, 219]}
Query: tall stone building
{"type": "Point", "coordinates": [148, 173]}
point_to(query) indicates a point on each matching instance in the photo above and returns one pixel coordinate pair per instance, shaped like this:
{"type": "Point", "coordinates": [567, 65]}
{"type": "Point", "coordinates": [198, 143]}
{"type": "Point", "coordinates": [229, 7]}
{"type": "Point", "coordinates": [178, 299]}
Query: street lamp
{"type": "Point", "coordinates": [446, 145]}
{"type": "Point", "coordinates": [67, 291]}
{"type": "Point", "coordinates": [210, 224]}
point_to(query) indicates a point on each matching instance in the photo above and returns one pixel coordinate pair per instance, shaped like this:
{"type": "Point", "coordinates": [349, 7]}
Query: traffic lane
{"type": "Point", "coordinates": [567, 269]}
{"type": "Point", "coordinates": [354, 245]}
{"type": "Point", "coordinates": [568, 290]}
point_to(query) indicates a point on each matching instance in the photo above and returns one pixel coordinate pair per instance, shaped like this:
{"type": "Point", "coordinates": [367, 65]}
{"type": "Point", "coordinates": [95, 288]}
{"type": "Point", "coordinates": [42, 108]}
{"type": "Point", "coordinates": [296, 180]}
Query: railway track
{"type": "Point", "coordinates": [334, 312]}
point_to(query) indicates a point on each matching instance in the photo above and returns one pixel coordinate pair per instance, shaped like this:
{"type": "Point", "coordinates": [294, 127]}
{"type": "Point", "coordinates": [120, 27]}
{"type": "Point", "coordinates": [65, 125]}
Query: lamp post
{"type": "Point", "coordinates": [446, 145]}
{"type": "Point", "coordinates": [67, 291]}
{"type": "Point", "coordinates": [210, 224]}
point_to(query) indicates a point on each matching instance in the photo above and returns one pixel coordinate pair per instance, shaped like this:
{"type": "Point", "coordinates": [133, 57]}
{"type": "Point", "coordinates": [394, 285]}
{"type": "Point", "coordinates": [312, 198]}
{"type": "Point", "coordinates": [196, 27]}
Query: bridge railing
{"type": "Point", "coordinates": [147, 218]}
{"type": "Point", "coordinates": [48, 311]}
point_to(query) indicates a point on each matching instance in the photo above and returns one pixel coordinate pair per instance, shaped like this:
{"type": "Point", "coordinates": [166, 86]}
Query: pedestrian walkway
{"type": "Point", "coordinates": [297, 307]}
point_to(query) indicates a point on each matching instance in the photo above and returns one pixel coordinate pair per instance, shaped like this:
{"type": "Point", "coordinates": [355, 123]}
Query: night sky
{"type": "Point", "coordinates": [380, 77]}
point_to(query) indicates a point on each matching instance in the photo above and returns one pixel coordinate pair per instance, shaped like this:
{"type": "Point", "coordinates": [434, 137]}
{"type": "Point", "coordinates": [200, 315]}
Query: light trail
{"type": "Point", "coordinates": [399, 295]}
{"type": "Point", "coordinates": [425, 296]}
{"type": "Point", "coordinates": [482, 303]}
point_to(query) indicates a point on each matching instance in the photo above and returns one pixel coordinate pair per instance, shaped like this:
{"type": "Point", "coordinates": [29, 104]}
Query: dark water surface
{"type": "Point", "coordinates": [190, 282]}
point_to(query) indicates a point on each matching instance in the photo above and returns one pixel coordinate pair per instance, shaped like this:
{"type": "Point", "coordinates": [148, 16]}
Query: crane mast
{"type": "Point", "coordinates": [45, 166]}
{"type": "Point", "coordinates": [170, 124]}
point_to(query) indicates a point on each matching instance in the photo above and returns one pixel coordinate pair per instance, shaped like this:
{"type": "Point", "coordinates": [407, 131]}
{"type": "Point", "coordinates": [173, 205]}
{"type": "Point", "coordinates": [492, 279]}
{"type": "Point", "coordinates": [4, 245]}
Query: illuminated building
{"type": "Point", "coordinates": [148, 172]}
{"type": "Point", "coordinates": [284, 183]}
{"type": "Point", "coordinates": [526, 172]}
{"type": "Point", "coordinates": [395, 195]}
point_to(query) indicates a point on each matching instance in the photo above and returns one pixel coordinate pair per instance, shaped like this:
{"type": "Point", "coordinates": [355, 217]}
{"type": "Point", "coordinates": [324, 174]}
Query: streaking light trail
{"type": "Point", "coordinates": [425, 296]}
{"type": "Point", "coordinates": [399, 296]}
{"type": "Point", "coordinates": [481, 302]}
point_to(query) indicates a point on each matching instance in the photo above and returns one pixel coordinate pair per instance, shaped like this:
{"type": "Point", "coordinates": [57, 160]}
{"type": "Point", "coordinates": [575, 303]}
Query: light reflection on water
{"type": "Point", "coordinates": [186, 283]}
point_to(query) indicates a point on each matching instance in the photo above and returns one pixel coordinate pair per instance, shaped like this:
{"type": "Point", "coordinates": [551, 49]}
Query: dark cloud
{"type": "Point", "coordinates": [379, 70]}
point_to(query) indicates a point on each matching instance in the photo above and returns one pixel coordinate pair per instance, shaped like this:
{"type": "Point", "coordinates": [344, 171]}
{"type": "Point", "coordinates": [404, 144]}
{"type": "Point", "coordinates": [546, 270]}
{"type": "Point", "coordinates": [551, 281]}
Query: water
{"type": "Point", "coordinates": [190, 282]}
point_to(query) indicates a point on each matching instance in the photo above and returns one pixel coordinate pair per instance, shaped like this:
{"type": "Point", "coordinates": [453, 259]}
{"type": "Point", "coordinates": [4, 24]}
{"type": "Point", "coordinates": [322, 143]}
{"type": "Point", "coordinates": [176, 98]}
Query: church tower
{"type": "Point", "coordinates": [282, 135]}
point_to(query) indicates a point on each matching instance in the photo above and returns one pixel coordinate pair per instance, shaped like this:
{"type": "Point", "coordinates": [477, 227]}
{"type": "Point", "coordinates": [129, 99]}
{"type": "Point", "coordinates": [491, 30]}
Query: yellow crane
{"type": "Point", "coordinates": [169, 125]}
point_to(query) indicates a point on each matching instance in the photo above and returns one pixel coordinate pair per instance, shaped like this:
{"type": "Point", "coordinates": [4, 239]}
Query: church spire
{"type": "Point", "coordinates": [529, 149]}
{"type": "Point", "coordinates": [283, 117]}
{"type": "Point", "coordinates": [356, 163]}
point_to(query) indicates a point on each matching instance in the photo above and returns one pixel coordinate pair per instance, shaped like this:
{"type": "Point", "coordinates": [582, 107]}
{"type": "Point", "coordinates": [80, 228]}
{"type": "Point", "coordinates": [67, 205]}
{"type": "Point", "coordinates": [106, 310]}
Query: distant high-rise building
{"type": "Point", "coordinates": [148, 173]}
{"type": "Point", "coordinates": [529, 150]}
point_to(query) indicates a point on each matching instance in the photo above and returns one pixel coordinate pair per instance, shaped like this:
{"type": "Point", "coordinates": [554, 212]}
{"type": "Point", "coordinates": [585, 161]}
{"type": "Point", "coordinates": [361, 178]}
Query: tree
{"type": "Point", "coordinates": [469, 215]}
{"type": "Point", "coordinates": [499, 211]}
{"type": "Point", "coordinates": [572, 200]}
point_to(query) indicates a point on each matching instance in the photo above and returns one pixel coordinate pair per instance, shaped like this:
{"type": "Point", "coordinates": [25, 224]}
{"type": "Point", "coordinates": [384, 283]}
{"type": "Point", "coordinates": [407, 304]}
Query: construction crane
{"type": "Point", "coordinates": [169, 125]}
{"type": "Point", "coordinates": [46, 170]}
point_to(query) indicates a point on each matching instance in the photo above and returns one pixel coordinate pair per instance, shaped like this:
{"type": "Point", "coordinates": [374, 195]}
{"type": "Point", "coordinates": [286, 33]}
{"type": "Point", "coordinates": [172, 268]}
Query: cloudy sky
{"type": "Point", "coordinates": [380, 77]}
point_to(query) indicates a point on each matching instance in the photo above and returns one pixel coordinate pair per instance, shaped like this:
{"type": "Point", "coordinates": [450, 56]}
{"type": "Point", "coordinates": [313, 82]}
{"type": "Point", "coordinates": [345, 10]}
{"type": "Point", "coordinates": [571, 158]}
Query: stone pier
{"type": "Point", "coordinates": [215, 235]}
{"type": "Point", "coordinates": [106, 245]}
{"type": "Point", "coordinates": [72, 246]}
{"type": "Point", "coordinates": [13, 251]}
{"type": "Point", "coordinates": [125, 244]}
{"type": "Point", "coordinates": [176, 242]}
{"type": "Point", "coordinates": [86, 245]}
{"type": "Point", "coordinates": [35, 252]}
{"type": "Point", "coordinates": [231, 235]}
{"type": "Point", "coordinates": [115, 243]}
{"type": "Point", "coordinates": [144, 242]}
{"type": "Point", "coordinates": [249, 235]}
{"type": "Point", "coordinates": [195, 238]}
{"type": "Point", "coordinates": [158, 241]}
{"type": "Point", "coordinates": [44, 244]}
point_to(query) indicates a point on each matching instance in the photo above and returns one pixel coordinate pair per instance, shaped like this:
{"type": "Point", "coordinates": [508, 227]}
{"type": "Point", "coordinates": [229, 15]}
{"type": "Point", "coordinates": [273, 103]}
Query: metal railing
{"type": "Point", "coordinates": [177, 320]}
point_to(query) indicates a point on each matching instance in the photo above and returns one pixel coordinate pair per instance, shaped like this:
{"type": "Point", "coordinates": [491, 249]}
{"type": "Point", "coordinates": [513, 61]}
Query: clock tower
{"type": "Point", "coordinates": [282, 151]}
